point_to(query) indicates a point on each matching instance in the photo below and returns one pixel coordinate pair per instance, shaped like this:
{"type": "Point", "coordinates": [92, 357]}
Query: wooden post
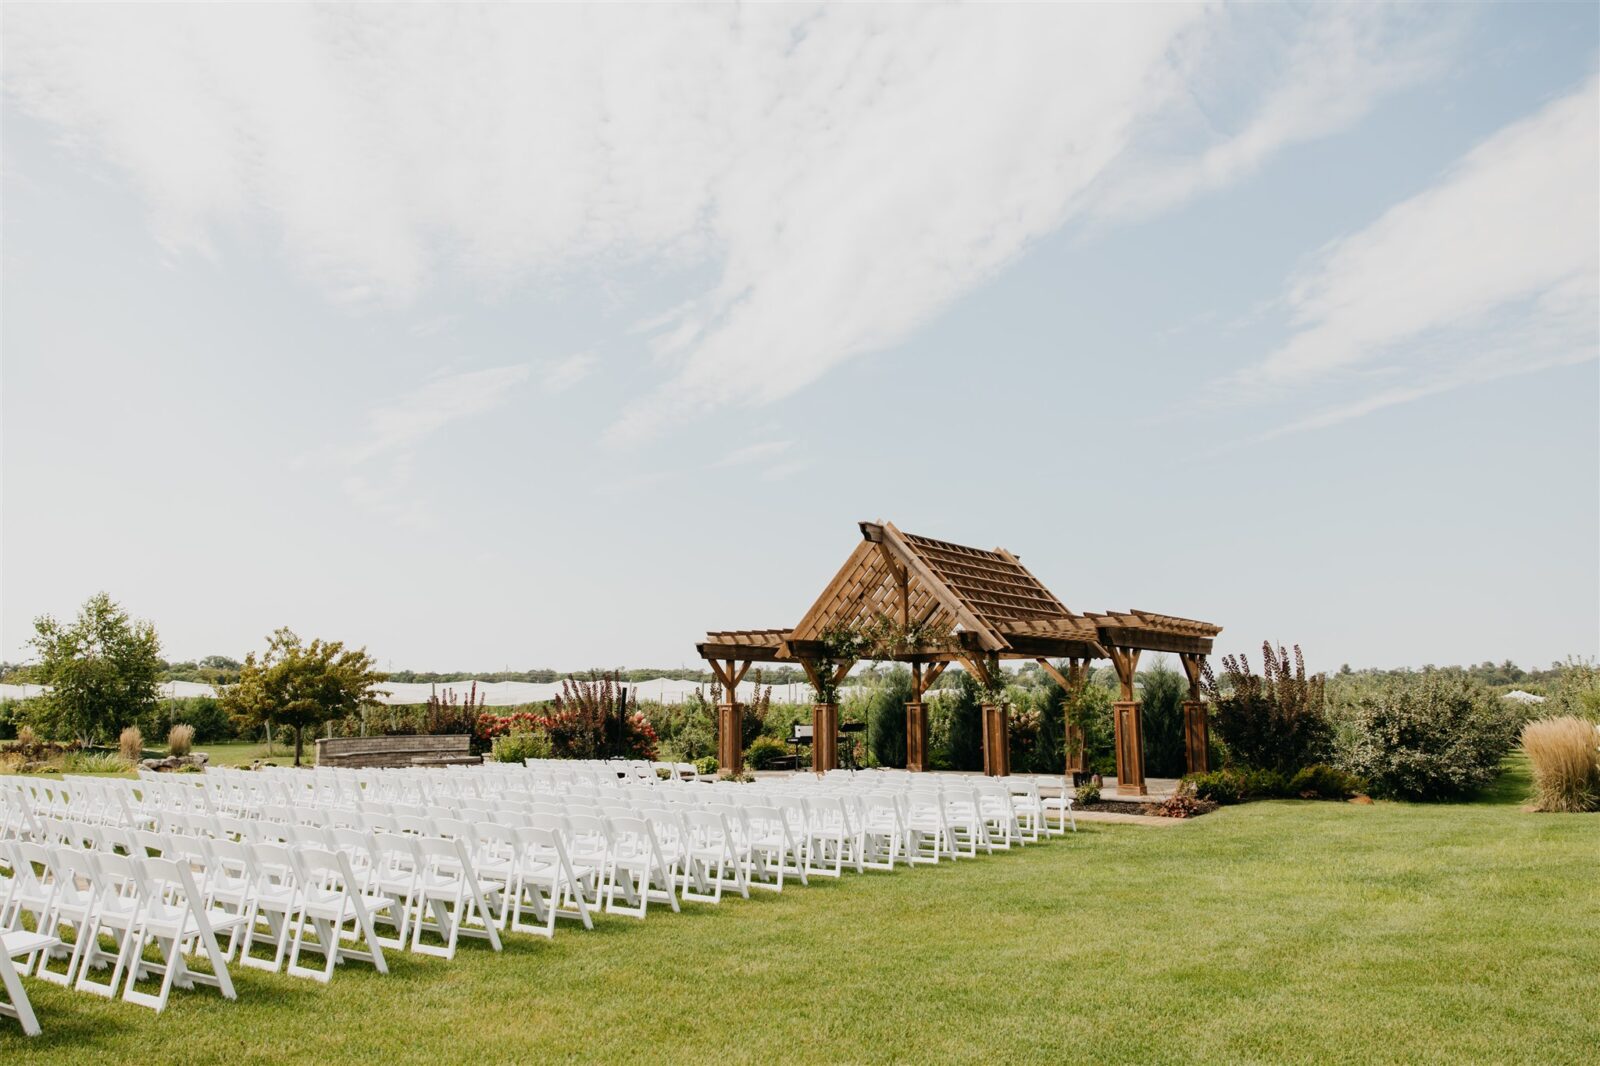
{"type": "Point", "coordinates": [730, 738]}
{"type": "Point", "coordinates": [916, 724]}
{"type": "Point", "coordinates": [1129, 728]}
{"type": "Point", "coordinates": [916, 737]}
{"type": "Point", "coordinates": [1072, 683]}
{"type": "Point", "coordinates": [730, 723]}
{"type": "Point", "coordinates": [996, 740]}
{"type": "Point", "coordinates": [1196, 726]}
{"type": "Point", "coordinates": [824, 737]}
{"type": "Point", "coordinates": [1130, 749]}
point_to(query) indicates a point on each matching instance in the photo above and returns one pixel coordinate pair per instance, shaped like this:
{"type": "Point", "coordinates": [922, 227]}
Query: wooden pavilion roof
{"type": "Point", "coordinates": [986, 600]}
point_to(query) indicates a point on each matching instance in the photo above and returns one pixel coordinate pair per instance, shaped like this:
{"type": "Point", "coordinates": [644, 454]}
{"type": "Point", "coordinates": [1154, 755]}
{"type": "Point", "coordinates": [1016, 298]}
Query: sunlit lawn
{"type": "Point", "coordinates": [1272, 932]}
{"type": "Point", "coordinates": [224, 753]}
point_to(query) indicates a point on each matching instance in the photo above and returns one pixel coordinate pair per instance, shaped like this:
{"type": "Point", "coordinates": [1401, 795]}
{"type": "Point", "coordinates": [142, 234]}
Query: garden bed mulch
{"type": "Point", "coordinates": [1166, 810]}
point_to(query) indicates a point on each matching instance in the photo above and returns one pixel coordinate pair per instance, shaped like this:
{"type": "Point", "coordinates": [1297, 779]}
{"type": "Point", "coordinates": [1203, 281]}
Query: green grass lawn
{"type": "Point", "coordinates": [222, 753]}
{"type": "Point", "coordinates": [1271, 932]}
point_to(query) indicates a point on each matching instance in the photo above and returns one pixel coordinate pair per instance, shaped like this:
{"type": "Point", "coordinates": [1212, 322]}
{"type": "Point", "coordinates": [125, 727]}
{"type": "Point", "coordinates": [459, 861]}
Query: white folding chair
{"type": "Point", "coordinates": [20, 943]}
{"type": "Point", "coordinates": [638, 868]}
{"type": "Point", "coordinates": [331, 900]}
{"type": "Point", "coordinates": [713, 858]}
{"type": "Point", "coordinates": [448, 891]}
{"type": "Point", "coordinates": [172, 914]}
{"type": "Point", "coordinates": [547, 882]}
{"type": "Point", "coordinates": [274, 898]}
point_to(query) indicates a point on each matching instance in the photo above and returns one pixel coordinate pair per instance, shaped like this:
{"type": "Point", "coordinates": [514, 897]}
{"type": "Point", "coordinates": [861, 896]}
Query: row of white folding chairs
{"type": "Point", "coordinates": [984, 816]}
{"type": "Point", "coordinates": [1037, 814]}
{"type": "Point", "coordinates": [988, 825]}
{"type": "Point", "coordinates": [135, 900]}
{"type": "Point", "coordinates": [415, 885]}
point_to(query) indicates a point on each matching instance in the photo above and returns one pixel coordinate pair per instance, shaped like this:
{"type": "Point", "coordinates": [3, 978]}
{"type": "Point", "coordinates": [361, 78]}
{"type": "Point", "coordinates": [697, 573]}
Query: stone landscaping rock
{"type": "Point", "coordinates": [176, 763]}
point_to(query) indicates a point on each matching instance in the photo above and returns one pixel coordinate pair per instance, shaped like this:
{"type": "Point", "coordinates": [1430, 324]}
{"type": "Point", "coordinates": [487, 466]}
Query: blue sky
{"type": "Point", "coordinates": [516, 337]}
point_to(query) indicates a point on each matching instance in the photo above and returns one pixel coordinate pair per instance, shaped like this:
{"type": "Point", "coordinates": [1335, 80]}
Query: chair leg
{"type": "Point", "coordinates": [18, 1007]}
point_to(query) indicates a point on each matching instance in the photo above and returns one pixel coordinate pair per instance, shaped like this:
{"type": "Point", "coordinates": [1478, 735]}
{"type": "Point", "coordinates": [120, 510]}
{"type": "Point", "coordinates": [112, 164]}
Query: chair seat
{"type": "Point", "coordinates": [20, 942]}
{"type": "Point", "coordinates": [338, 907]}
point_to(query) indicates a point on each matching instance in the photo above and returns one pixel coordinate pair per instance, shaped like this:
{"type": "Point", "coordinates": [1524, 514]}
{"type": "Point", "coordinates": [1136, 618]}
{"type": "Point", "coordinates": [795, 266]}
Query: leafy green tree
{"type": "Point", "coordinates": [298, 685]}
{"type": "Point", "coordinates": [1090, 710]}
{"type": "Point", "coordinates": [1161, 694]}
{"type": "Point", "coordinates": [1577, 691]}
{"type": "Point", "coordinates": [102, 670]}
{"type": "Point", "coordinates": [886, 715]}
{"type": "Point", "coordinates": [965, 751]}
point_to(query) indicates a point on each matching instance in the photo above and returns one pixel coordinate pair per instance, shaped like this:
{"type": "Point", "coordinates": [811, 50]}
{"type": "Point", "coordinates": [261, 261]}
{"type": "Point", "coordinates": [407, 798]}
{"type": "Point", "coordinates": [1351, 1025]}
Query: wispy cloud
{"type": "Point", "coordinates": [847, 170]}
{"type": "Point", "coordinates": [379, 462]}
{"type": "Point", "coordinates": [784, 471]}
{"type": "Point", "coordinates": [1491, 272]}
{"type": "Point", "coordinates": [401, 423]}
{"type": "Point", "coordinates": [1302, 81]}
{"type": "Point", "coordinates": [562, 374]}
{"type": "Point", "coordinates": [753, 453]}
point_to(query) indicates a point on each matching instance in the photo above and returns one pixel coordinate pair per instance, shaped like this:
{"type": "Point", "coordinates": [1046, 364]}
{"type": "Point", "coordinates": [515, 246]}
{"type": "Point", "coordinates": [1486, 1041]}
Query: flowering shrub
{"type": "Point", "coordinates": [1434, 735]}
{"type": "Point", "coordinates": [522, 744]}
{"type": "Point", "coordinates": [572, 734]}
{"type": "Point", "coordinates": [1275, 721]}
{"type": "Point", "coordinates": [498, 725]}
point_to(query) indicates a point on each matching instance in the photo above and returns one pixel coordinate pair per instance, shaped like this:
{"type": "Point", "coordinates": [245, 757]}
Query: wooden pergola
{"type": "Point", "coordinates": [983, 607]}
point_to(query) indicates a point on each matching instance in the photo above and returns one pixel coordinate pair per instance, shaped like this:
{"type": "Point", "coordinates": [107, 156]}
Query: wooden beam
{"type": "Point", "coordinates": [810, 667]}
{"type": "Point", "coordinates": [1192, 666]}
{"type": "Point", "coordinates": [1033, 647]}
{"type": "Point", "coordinates": [1154, 640]}
{"type": "Point", "coordinates": [1060, 678]}
{"type": "Point", "coordinates": [1126, 661]}
{"type": "Point", "coordinates": [978, 668]}
{"type": "Point", "coordinates": [771, 654]}
{"type": "Point", "coordinates": [934, 670]}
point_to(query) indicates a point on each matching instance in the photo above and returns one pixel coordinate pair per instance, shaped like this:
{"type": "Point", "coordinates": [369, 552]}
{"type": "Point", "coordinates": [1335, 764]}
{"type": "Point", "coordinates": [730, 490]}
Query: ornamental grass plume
{"type": "Point", "coordinates": [131, 744]}
{"type": "Point", "coordinates": [1565, 753]}
{"type": "Point", "coordinates": [180, 739]}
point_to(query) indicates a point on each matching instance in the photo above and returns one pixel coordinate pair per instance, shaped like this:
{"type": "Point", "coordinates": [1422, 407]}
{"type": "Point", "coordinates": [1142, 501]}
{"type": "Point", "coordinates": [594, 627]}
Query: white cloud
{"type": "Point", "coordinates": [753, 453]}
{"type": "Point", "coordinates": [1493, 271]}
{"type": "Point", "coordinates": [565, 373]}
{"type": "Point", "coordinates": [849, 169]}
{"type": "Point", "coordinates": [378, 465]}
{"type": "Point", "coordinates": [403, 422]}
{"type": "Point", "coordinates": [784, 471]}
{"type": "Point", "coordinates": [1304, 83]}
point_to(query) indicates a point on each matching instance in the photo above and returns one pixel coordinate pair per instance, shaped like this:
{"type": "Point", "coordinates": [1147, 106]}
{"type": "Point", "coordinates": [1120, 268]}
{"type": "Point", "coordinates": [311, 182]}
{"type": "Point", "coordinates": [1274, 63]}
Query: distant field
{"type": "Point", "coordinates": [1272, 932]}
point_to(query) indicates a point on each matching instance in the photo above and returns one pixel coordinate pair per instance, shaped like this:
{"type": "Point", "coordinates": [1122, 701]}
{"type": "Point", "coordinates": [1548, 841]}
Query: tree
{"type": "Point", "coordinates": [1162, 691]}
{"type": "Point", "coordinates": [102, 670]}
{"type": "Point", "coordinates": [298, 685]}
{"type": "Point", "coordinates": [966, 724]}
{"type": "Point", "coordinates": [886, 716]}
